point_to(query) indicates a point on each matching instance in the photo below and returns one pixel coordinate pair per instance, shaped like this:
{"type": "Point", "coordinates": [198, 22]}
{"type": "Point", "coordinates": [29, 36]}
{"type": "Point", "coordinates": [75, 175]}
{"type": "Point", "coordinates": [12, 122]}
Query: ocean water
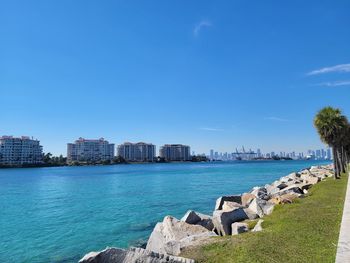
{"type": "Point", "coordinates": [60, 214]}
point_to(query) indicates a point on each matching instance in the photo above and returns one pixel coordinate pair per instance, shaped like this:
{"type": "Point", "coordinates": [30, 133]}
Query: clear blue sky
{"type": "Point", "coordinates": [211, 74]}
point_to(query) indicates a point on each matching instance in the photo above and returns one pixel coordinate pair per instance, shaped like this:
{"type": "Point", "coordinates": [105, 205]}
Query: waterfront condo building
{"type": "Point", "coordinates": [137, 152]}
{"type": "Point", "coordinates": [20, 151]}
{"type": "Point", "coordinates": [84, 150]}
{"type": "Point", "coordinates": [175, 152]}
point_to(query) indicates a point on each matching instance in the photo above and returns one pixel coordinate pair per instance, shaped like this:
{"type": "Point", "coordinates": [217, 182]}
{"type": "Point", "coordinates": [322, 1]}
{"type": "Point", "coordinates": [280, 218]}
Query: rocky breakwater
{"type": "Point", "coordinates": [230, 217]}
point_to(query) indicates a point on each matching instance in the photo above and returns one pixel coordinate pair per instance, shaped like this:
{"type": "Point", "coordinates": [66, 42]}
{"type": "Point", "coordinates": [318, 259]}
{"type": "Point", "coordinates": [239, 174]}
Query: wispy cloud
{"type": "Point", "coordinates": [210, 129]}
{"type": "Point", "coordinates": [272, 118]}
{"type": "Point", "coordinates": [334, 83]}
{"type": "Point", "coordinates": [337, 68]}
{"type": "Point", "coordinates": [197, 29]}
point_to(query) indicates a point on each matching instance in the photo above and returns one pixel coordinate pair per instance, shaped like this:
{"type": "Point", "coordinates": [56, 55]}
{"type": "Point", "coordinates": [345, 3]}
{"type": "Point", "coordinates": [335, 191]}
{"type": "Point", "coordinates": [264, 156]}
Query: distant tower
{"type": "Point", "coordinates": [211, 154]}
{"type": "Point", "coordinates": [329, 154]}
{"type": "Point", "coordinates": [258, 153]}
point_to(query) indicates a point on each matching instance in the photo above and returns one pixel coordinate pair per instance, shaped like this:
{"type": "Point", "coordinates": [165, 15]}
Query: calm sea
{"type": "Point", "coordinates": [59, 214]}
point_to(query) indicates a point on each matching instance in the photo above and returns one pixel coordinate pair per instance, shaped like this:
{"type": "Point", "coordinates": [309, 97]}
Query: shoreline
{"type": "Point", "coordinates": [172, 236]}
{"type": "Point", "coordinates": [151, 163]}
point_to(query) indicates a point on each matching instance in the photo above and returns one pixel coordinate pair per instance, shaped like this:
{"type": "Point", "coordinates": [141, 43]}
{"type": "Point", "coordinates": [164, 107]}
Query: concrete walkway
{"type": "Point", "coordinates": [343, 251]}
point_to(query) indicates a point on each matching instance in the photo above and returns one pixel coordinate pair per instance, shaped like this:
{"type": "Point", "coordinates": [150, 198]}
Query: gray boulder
{"type": "Point", "coordinates": [172, 235]}
{"type": "Point", "coordinates": [292, 176]}
{"type": "Point", "coordinates": [228, 206]}
{"type": "Point", "coordinates": [260, 207]}
{"type": "Point", "coordinates": [191, 217]}
{"type": "Point", "coordinates": [282, 186]}
{"type": "Point", "coordinates": [268, 207]}
{"type": "Point", "coordinates": [223, 220]}
{"type": "Point", "coordinates": [231, 198]}
{"type": "Point", "coordinates": [250, 214]}
{"type": "Point", "coordinates": [247, 198]}
{"type": "Point", "coordinates": [132, 255]}
{"type": "Point", "coordinates": [272, 188]}
{"type": "Point", "coordinates": [304, 172]}
{"type": "Point", "coordinates": [311, 179]}
{"type": "Point", "coordinates": [255, 207]}
{"type": "Point", "coordinates": [258, 226]}
{"type": "Point", "coordinates": [238, 228]}
{"type": "Point", "coordinates": [321, 171]}
{"type": "Point", "coordinates": [260, 192]}
{"type": "Point", "coordinates": [294, 188]}
{"type": "Point", "coordinates": [195, 218]}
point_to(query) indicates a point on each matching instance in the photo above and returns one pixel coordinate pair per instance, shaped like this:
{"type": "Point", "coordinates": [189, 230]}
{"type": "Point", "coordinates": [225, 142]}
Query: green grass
{"type": "Point", "coordinates": [305, 231]}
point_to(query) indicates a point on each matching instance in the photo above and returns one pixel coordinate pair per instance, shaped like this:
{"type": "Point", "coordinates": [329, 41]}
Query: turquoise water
{"type": "Point", "coordinates": [59, 214]}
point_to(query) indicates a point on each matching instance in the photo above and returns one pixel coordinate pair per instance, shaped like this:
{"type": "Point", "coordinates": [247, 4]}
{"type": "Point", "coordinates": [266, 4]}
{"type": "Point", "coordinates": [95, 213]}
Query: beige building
{"type": "Point", "coordinates": [137, 152]}
{"type": "Point", "coordinates": [84, 150]}
{"type": "Point", "coordinates": [175, 152]}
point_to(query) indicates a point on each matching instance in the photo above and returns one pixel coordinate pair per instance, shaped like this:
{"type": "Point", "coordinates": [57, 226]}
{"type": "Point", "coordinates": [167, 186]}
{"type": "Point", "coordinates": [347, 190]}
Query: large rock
{"type": "Point", "coordinates": [311, 179]}
{"type": "Point", "coordinates": [284, 199]}
{"type": "Point", "coordinates": [191, 217]}
{"type": "Point", "coordinates": [250, 214]}
{"type": "Point", "coordinates": [292, 176]}
{"type": "Point", "coordinates": [305, 186]}
{"type": "Point", "coordinates": [282, 186]}
{"type": "Point", "coordinates": [260, 192]}
{"type": "Point", "coordinates": [294, 188]}
{"type": "Point", "coordinates": [315, 168]}
{"type": "Point", "coordinates": [223, 220]}
{"type": "Point", "coordinates": [247, 198]}
{"type": "Point", "coordinates": [132, 255]}
{"type": "Point", "coordinates": [276, 200]}
{"type": "Point", "coordinates": [321, 171]}
{"type": "Point", "coordinates": [231, 198]}
{"type": "Point", "coordinates": [261, 207]}
{"type": "Point", "coordinates": [304, 173]}
{"type": "Point", "coordinates": [238, 228]}
{"type": "Point", "coordinates": [268, 207]}
{"type": "Point", "coordinates": [272, 188]}
{"type": "Point", "coordinates": [288, 198]}
{"type": "Point", "coordinates": [195, 218]}
{"type": "Point", "coordinates": [258, 226]}
{"type": "Point", "coordinates": [172, 235]}
{"type": "Point", "coordinates": [228, 206]}
{"type": "Point", "coordinates": [255, 207]}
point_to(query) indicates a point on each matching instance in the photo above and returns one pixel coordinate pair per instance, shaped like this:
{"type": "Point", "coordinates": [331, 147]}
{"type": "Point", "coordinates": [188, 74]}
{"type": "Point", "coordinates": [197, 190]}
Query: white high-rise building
{"type": "Point", "coordinates": [20, 151]}
{"type": "Point", "coordinates": [137, 152]}
{"type": "Point", "coordinates": [175, 152]}
{"type": "Point", "coordinates": [329, 154]}
{"type": "Point", "coordinates": [211, 156]}
{"type": "Point", "coordinates": [83, 150]}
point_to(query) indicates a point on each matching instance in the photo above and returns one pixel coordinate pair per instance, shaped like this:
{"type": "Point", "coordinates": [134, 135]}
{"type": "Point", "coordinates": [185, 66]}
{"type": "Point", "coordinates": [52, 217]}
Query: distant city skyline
{"type": "Point", "coordinates": [209, 75]}
{"type": "Point", "coordinates": [193, 151]}
{"type": "Point", "coordinates": [320, 154]}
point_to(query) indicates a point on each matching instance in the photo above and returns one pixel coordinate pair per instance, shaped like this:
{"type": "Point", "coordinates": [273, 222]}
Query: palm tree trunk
{"type": "Point", "coordinates": [345, 162]}
{"type": "Point", "coordinates": [342, 160]}
{"type": "Point", "coordinates": [335, 163]}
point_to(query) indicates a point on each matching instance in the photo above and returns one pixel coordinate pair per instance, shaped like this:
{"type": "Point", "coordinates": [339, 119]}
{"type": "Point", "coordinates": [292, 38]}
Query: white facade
{"type": "Point", "coordinates": [137, 152]}
{"type": "Point", "coordinates": [20, 151]}
{"type": "Point", "coordinates": [175, 152]}
{"type": "Point", "coordinates": [83, 150]}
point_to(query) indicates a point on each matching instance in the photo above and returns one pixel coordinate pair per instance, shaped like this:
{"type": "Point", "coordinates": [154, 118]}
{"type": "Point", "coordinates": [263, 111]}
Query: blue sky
{"type": "Point", "coordinates": [211, 74]}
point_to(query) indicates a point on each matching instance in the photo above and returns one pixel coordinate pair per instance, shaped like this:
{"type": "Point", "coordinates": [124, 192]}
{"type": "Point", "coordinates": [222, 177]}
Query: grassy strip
{"type": "Point", "coordinates": [305, 231]}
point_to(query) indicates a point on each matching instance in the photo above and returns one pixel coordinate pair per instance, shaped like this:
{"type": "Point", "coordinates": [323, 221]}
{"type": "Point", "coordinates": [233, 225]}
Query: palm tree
{"type": "Point", "coordinates": [330, 125]}
{"type": "Point", "coordinates": [346, 144]}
